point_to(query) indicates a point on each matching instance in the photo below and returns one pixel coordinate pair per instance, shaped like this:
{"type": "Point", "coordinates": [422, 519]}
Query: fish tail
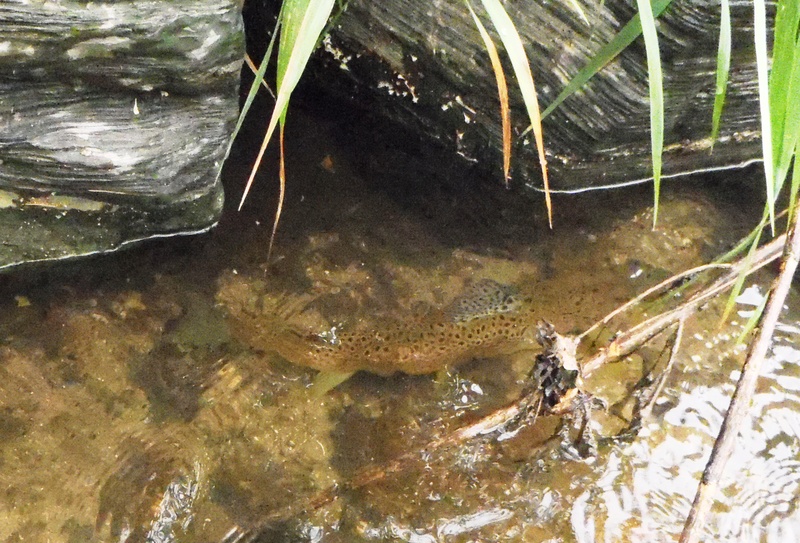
{"type": "Point", "coordinates": [270, 321]}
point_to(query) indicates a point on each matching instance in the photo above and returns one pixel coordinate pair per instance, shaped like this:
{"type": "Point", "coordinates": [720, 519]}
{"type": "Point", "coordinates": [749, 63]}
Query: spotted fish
{"type": "Point", "coordinates": [484, 299]}
{"type": "Point", "coordinates": [489, 320]}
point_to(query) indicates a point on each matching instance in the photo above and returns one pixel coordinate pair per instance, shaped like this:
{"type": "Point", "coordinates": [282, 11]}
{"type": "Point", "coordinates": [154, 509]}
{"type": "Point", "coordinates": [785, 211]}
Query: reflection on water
{"type": "Point", "coordinates": [136, 405]}
{"type": "Point", "coordinates": [649, 485]}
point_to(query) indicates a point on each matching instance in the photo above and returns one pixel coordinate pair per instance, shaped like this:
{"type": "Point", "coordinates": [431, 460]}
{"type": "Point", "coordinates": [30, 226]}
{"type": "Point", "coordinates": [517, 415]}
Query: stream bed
{"type": "Point", "coordinates": [145, 396]}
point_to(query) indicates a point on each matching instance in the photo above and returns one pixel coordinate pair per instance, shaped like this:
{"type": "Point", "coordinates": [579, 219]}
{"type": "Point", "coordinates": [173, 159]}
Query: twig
{"type": "Point", "coordinates": [737, 410]}
{"type": "Point", "coordinates": [673, 354]}
{"type": "Point", "coordinates": [496, 421]}
{"type": "Point", "coordinates": [662, 285]}
{"type": "Point", "coordinates": [626, 343]}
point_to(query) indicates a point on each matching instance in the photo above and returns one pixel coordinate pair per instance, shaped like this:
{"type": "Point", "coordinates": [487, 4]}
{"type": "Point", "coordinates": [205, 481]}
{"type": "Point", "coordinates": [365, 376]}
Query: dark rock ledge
{"type": "Point", "coordinates": [114, 119]}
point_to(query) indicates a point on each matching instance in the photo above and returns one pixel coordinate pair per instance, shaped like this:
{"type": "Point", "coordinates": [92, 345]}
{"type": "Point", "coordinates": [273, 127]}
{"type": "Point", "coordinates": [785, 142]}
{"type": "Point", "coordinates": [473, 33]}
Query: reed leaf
{"type": "Point", "coordinates": [791, 119]}
{"type": "Point", "coordinates": [784, 89]}
{"type": "Point", "coordinates": [607, 53]}
{"type": "Point", "coordinates": [502, 90]}
{"type": "Point", "coordinates": [303, 22]}
{"type": "Point", "coordinates": [752, 321]}
{"type": "Point", "coordinates": [723, 68]}
{"type": "Point", "coordinates": [522, 70]}
{"type": "Point", "coordinates": [737, 287]}
{"type": "Point", "coordinates": [655, 82]}
{"type": "Point", "coordinates": [795, 188]}
{"type": "Point", "coordinates": [258, 80]}
{"type": "Point", "coordinates": [762, 67]}
{"type": "Point", "coordinates": [779, 94]}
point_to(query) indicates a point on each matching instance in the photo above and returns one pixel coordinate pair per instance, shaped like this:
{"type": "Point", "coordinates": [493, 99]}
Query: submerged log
{"type": "Point", "coordinates": [424, 65]}
{"type": "Point", "coordinates": [114, 120]}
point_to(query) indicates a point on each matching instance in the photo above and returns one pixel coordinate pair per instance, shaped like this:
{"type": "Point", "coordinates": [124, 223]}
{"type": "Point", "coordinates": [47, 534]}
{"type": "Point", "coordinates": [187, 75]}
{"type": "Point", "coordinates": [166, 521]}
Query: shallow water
{"type": "Point", "coordinates": [133, 405]}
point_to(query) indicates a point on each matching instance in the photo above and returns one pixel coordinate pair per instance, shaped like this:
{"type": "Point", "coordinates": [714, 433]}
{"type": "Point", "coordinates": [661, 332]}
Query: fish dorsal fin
{"type": "Point", "coordinates": [483, 299]}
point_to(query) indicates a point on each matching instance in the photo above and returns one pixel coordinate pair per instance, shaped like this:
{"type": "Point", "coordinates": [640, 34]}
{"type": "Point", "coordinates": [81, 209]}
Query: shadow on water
{"type": "Point", "coordinates": [142, 393]}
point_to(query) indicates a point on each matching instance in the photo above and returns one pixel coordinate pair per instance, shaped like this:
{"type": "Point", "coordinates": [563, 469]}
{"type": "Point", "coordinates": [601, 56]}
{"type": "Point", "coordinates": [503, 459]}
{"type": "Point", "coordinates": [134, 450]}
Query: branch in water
{"type": "Point", "coordinates": [741, 401]}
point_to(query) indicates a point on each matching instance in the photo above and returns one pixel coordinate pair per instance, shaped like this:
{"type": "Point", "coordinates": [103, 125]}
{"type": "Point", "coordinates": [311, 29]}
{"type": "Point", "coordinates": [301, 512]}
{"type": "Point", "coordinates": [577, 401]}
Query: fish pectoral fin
{"type": "Point", "coordinates": [325, 381]}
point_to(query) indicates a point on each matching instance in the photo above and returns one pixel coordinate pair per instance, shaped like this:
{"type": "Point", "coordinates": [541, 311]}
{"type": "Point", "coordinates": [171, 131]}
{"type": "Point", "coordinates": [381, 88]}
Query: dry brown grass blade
{"type": "Point", "coordinates": [254, 69]}
{"type": "Point", "coordinates": [505, 116]}
{"type": "Point", "coordinates": [502, 91]}
{"type": "Point", "coordinates": [257, 165]}
{"type": "Point", "coordinates": [282, 171]}
{"type": "Point", "coordinates": [522, 70]}
{"type": "Point", "coordinates": [281, 194]}
{"type": "Point", "coordinates": [537, 132]}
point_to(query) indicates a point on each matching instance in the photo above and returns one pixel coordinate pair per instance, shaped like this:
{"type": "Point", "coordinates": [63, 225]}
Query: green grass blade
{"type": "Point", "coordinates": [258, 80]}
{"type": "Point", "coordinates": [522, 70]}
{"type": "Point", "coordinates": [745, 243]}
{"type": "Point", "coordinates": [751, 323]}
{"type": "Point", "coordinates": [723, 68]}
{"type": "Point", "coordinates": [626, 36]}
{"type": "Point", "coordinates": [303, 23]}
{"type": "Point", "coordinates": [762, 66]}
{"type": "Point", "coordinates": [791, 123]}
{"type": "Point", "coordinates": [795, 188]}
{"type": "Point", "coordinates": [780, 76]}
{"type": "Point", "coordinates": [784, 88]}
{"type": "Point", "coordinates": [656, 83]}
{"type": "Point", "coordinates": [737, 287]}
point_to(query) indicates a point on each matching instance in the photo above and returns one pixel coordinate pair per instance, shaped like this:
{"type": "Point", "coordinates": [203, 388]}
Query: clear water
{"type": "Point", "coordinates": [133, 406]}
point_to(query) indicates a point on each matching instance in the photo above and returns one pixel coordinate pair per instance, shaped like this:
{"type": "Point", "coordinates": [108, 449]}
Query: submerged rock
{"type": "Point", "coordinates": [114, 120]}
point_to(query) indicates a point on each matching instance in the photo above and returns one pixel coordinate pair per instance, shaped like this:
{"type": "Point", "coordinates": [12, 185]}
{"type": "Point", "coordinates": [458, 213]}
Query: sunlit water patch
{"type": "Point", "coordinates": [647, 487]}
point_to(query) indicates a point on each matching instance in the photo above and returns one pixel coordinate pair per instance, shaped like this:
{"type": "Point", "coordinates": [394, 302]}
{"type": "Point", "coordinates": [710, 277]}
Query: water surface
{"type": "Point", "coordinates": [132, 407]}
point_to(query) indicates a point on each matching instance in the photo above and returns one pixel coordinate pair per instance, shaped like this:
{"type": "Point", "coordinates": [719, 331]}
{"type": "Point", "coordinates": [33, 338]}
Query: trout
{"type": "Point", "coordinates": [489, 320]}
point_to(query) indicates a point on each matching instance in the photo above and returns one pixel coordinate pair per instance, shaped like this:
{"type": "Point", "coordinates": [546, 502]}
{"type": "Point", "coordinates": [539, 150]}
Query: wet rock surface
{"type": "Point", "coordinates": [114, 120]}
{"type": "Point", "coordinates": [424, 65]}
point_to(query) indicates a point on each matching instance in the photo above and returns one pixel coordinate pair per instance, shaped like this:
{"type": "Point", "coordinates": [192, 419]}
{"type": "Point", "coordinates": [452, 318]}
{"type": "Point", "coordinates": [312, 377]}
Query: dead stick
{"type": "Point", "coordinates": [673, 354]}
{"type": "Point", "coordinates": [737, 411]}
{"type": "Point", "coordinates": [641, 333]}
{"type": "Point", "coordinates": [491, 423]}
{"type": "Point", "coordinates": [661, 286]}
